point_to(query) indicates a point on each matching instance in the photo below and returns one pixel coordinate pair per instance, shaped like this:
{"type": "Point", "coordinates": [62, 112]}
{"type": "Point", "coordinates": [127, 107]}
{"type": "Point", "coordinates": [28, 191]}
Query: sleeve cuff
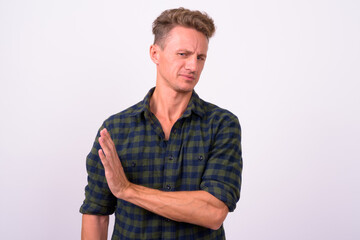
{"type": "Point", "coordinates": [218, 190]}
{"type": "Point", "coordinates": [96, 209]}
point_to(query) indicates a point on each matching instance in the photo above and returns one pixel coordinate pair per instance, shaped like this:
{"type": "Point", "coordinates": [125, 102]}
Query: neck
{"type": "Point", "coordinates": [168, 104]}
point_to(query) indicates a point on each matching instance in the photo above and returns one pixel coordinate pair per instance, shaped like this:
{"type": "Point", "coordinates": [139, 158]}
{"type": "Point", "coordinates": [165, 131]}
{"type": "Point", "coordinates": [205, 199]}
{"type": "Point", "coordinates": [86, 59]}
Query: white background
{"type": "Point", "coordinates": [290, 71]}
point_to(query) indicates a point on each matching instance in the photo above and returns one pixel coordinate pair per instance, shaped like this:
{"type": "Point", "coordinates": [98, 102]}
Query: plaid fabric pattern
{"type": "Point", "coordinates": [202, 153]}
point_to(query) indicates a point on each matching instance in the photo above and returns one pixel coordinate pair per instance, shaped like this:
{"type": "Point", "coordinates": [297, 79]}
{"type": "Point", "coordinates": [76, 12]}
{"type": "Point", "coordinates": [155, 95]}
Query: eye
{"type": "Point", "coordinates": [201, 58]}
{"type": "Point", "coordinates": [181, 54]}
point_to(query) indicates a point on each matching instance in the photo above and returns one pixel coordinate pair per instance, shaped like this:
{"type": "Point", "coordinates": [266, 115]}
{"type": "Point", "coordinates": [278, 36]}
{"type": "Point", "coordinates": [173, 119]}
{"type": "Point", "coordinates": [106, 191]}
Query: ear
{"type": "Point", "coordinates": [154, 53]}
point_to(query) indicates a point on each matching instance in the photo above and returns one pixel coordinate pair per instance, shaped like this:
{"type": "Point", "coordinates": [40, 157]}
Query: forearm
{"type": "Point", "coordinates": [196, 207]}
{"type": "Point", "coordinates": [94, 227]}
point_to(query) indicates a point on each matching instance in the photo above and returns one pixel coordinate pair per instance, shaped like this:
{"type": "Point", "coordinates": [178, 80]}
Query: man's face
{"type": "Point", "coordinates": [182, 59]}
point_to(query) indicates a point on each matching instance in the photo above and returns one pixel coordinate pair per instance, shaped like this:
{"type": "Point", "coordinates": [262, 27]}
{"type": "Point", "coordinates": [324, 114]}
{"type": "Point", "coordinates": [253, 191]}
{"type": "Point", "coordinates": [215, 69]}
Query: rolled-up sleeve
{"type": "Point", "coordinates": [222, 176]}
{"type": "Point", "coordinates": [98, 198]}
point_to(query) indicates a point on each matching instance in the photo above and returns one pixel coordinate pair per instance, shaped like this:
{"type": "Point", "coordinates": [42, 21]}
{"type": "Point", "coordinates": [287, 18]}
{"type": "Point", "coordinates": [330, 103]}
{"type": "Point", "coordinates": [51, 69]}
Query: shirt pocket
{"type": "Point", "coordinates": [193, 167]}
{"type": "Point", "coordinates": [142, 170]}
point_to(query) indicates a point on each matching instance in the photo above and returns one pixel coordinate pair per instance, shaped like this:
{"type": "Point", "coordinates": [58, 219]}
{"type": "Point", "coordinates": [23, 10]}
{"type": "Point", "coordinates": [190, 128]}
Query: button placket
{"type": "Point", "coordinates": [169, 165]}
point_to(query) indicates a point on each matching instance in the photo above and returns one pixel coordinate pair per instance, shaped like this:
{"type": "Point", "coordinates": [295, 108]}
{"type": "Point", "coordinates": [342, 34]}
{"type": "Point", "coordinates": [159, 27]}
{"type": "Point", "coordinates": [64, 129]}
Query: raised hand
{"type": "Point", "coordinates": [114, 171]}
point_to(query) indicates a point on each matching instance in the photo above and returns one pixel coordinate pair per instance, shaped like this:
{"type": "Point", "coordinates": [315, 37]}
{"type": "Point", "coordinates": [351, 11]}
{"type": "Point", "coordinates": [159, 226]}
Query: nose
{"type": "Point", "coordinates": [191, 64]}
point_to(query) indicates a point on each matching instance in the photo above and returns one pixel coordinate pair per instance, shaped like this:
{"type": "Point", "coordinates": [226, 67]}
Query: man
{"type": "Point", "coordinates": [169, 166]}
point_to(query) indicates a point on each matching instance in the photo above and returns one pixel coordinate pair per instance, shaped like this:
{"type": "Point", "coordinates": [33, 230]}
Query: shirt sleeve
{"type": "Point", "coordinates": [98, 198]}
{"type": "Point", "coordinates": [222, 175]}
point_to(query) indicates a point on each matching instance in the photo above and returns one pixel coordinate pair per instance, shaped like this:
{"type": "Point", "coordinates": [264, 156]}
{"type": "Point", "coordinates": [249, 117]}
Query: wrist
{"type": "Point", "coordinates": [126, 192]}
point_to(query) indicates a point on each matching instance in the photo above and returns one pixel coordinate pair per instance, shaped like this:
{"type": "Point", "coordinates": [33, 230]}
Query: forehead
{"type": "Point", "coordinates": [186, 38]}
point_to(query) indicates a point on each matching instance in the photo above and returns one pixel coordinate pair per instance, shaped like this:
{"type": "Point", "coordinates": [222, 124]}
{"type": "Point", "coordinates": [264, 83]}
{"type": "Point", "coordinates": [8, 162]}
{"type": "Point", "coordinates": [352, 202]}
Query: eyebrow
{"type": "Point", "coordinates": [190, 52]}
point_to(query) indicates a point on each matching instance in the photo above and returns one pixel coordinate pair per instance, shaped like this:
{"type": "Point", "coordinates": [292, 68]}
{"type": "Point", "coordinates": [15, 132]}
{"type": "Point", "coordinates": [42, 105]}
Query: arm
{"type": "Point", "coordinates": [196, 207]}
{"type": "Point", "coordinates": [94, 227]}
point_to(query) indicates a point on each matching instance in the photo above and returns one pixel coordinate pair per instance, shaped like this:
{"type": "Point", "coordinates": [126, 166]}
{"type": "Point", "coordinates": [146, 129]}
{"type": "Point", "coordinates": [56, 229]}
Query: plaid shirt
{"type": "Point", "coordinates": [202, 153]}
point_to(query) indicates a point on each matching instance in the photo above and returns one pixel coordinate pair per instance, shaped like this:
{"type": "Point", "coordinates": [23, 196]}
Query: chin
{"type": "Point", "coordinates": [185, 89]}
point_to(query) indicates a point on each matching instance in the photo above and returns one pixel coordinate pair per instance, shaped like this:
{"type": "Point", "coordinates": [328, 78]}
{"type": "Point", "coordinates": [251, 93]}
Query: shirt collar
{"type": "Point", "coordinates": [195, 105]}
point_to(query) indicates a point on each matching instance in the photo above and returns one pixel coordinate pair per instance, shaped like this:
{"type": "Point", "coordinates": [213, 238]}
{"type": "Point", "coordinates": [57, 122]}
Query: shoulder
{"type": "Point", "coordinates": [125, 117]}
{"type": "Point", "coordinates": [216, 114]}
{"type": "Point", "coordinates": [224, 125]}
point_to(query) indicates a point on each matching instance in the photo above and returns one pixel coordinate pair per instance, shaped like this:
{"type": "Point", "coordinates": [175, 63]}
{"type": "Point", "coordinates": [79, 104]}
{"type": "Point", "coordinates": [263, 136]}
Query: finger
{"type": "Point", "coordinates": [102, 157]}
{"type": "Point", "coordinates": [103, 132]}
{"type": "Point", "coordinates": [107, 138]}
{"type": "Point", "coordinates": [106, 133]}
{"type": "Point", "coordinates": [105, 147]}
{"type": "Point", "coordinates": [107, 166]}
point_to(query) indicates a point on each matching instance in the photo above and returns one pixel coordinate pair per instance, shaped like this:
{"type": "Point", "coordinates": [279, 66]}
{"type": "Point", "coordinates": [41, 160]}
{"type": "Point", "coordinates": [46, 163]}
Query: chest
{"type": "Point", "coordinates": [176, 164]}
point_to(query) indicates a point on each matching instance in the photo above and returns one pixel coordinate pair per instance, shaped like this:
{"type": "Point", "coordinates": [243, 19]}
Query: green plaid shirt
{"type": "Point", "coordinates": [202, 153]}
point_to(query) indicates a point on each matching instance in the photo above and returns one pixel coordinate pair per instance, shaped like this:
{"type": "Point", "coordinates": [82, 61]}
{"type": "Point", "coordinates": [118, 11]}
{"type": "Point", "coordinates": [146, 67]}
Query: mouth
{"type": "Point", "coordinates": [188, 76]}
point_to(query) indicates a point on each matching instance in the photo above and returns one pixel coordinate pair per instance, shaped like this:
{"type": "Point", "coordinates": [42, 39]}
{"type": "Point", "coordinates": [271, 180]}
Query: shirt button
{"type": "Point", "coordinates": [133, 164]}
{"type": "Point", "coordinates": [171, 158]}
{"type": "Point", "coordinates": [168, 187]}
{"type": "Point", "coordinates": [201, 158]}
{"type": "Point", "coordinates": [168, 220]}
{"type": "Point", "coordinates": [174, 130]}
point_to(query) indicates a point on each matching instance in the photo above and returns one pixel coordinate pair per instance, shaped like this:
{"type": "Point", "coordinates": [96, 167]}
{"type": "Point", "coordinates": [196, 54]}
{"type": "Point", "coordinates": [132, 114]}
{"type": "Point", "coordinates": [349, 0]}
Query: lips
{"type": "Point", "coordinates": [188, 76]}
